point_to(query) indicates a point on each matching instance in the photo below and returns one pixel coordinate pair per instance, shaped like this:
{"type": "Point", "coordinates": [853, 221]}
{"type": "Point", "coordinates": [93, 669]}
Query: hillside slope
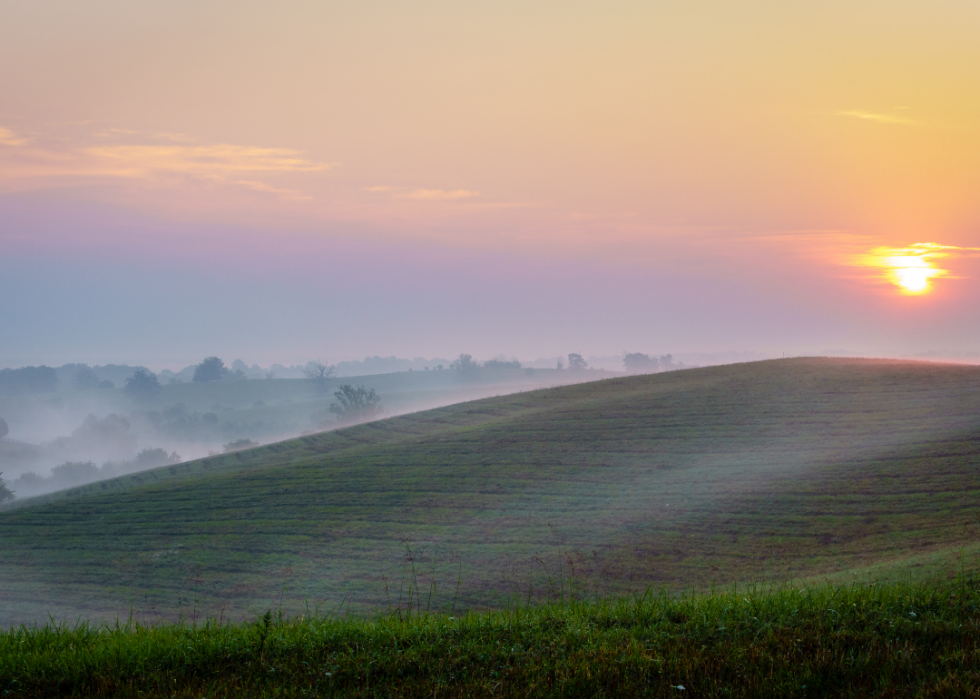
{"type": "Point", "coordinates": [767, 470]}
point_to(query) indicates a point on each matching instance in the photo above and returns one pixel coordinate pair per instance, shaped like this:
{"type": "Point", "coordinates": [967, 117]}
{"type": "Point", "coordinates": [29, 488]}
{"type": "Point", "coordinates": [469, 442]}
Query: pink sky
{"type": "Point", "coordinates": [341, 179]}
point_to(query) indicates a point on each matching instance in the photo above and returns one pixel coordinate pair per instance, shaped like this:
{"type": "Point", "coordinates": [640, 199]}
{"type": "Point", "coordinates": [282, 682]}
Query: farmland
{"type": "Point", "coordinates": [773, 471]}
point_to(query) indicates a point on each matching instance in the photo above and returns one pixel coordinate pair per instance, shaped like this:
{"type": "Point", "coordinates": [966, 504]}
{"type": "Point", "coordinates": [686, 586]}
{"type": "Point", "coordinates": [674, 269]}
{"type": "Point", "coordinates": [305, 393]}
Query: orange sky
{"type": "Point", "coordinates": [771, 145]}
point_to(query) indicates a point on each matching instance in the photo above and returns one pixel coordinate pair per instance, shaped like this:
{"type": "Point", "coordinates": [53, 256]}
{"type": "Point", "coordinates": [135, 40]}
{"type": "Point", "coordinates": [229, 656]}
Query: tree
{"type": "Point", "coordinates": [151, 458]}
{"type": "Point", "coordinates": [319, 374]}
{"type": "Point", "coordinates": [211, 369]}
{"type": "Point", "coordinates": [639, 363]}
{"type": "Point", "coordinates": [466, 369]}
{"type": "Point", "coordinates": [72, 473]}
{"type": "Point", "coordinates": [501, 364]}
{"type": "Point", "coordinates": [143, 385]}
{"type": "Point", "coordinates": [356, 404]}
{"type": "Point", "coordinates": [576, 363]}
{"type": "Point", "coordinates": [86, 377]}
{"type": "Point", "coordinates": [4, 430]}
{"type": "Point", "coordinates": [29, 379]}
{"type": "Point", "coordinates": [5, 493]}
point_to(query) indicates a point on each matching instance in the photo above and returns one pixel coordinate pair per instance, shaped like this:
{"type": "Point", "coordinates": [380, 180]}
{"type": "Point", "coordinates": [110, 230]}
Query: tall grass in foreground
{"type": "Point", "coordinates": [878, 640]}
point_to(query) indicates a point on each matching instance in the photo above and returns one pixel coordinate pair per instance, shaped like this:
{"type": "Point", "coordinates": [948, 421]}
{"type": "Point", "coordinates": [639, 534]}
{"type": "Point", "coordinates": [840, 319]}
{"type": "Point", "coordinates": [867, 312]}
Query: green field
{"type": "Point", "coordinates": [893, 640]}
{"type": "Point", "coordinates": [766, 471]}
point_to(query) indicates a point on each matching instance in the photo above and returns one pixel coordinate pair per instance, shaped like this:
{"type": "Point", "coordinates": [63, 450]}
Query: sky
{"type": "Point", "coordinates": [280, 182]}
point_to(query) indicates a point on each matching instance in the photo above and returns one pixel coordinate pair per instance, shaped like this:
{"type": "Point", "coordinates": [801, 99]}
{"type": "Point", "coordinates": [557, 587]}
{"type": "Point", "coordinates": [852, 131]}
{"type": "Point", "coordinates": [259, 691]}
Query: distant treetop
{"type": "Point", "coordinates": [466, 369]}
{"type": "Point", "coordinates": [501, 364]}
{"type": "Point", "coordinates": [319, 374]}
{"type": "Point", "coordinates": [29, 379]}
{"type": "Point", "coordinates": [211, 369]}
{"type": "Point", "coordinates": [143, 385]}
{"type": "Point", "coordinates": [639, 363]}
{"type": "Point", "coordinates": [86, 378]}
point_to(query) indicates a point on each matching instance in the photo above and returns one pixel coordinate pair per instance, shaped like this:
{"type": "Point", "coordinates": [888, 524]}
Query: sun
{"type": "Point", "coordinates": [913, 280]}
{"type": "Point", "coordinates": [911, 269]}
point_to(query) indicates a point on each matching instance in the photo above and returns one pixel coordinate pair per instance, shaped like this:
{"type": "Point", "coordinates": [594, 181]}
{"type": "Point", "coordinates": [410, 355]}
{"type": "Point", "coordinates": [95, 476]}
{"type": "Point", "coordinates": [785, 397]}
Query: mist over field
{"type": "Point", "coordinates": [76, 423]}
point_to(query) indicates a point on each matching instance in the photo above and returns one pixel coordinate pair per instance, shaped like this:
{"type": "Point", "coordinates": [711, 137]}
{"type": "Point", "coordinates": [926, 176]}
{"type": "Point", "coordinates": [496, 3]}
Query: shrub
{"type": "Point", "coordinates": [356, 404]}
{"type": "Point", "coordinates": [240, 444]}
{"type": "Point", "coordinates": [5, 492]}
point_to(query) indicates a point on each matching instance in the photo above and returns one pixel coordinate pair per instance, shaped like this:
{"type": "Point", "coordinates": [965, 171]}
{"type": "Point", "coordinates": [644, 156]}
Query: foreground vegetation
{"type": "Point", "coordinates": [891, 640]}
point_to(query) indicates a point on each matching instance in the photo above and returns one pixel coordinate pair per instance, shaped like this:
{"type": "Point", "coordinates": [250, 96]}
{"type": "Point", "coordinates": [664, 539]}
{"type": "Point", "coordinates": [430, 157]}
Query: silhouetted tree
{"type": "Point", "coordinates": [5, 493]}
{"type": "Point", "coordinates": [666, 362]}
{"type": "Point", "coordinates": [143, 385]}
{"type": "Point", "coordinates": [639, 363]}
{"type": "Point", "coordinates": [466, 369]}
{"type": "Point", "coordinates": [319, 374]}
{"type": "Point", "coordinates": [211, 369]}
{"type": "Point", "coordinates": [561, 365]}
{"type": "Point", "coordinates": [4, 430]}
{"type": "Point", "coordinates": [576, 363]}
{"type": "Point", "coordinates": [356, 404]}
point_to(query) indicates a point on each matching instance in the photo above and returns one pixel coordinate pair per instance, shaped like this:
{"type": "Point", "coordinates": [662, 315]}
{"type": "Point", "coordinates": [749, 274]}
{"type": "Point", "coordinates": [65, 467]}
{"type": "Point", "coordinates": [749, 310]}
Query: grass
{"type": "Point", "coordinates": [771, 471]}
{"type": "Point", "coordinates": [890, 640]}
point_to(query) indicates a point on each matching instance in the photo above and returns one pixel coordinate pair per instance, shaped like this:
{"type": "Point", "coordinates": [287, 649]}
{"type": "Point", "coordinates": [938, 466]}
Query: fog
{"type": "Point", "coordinates": [77, 423]}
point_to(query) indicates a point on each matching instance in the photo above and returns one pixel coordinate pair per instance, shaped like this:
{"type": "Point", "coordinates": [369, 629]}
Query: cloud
{"type": "Point", "coordinates": [142, 158]}
{"type": "Point", "coordinates": [256, 186]}
{"type": "Point", "coordinates": [439, 194]}
{"type": "Point", "coordinates": [427, 194]}
{"type": "Point", "coordinates": [116, 132]}
{"type": "Point", "coordinates": [222, 159]}
{"type": "Point", "coordinates": [173, 137]}
{"type": "Point", "coordinates": [881, 118]}
{"type": "Point", "coordinates": [9, 138]}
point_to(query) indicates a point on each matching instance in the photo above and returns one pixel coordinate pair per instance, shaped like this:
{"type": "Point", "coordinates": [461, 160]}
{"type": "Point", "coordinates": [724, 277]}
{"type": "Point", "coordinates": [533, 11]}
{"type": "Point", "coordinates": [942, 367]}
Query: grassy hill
{"type": "Point", "coordinates": [770, 470]}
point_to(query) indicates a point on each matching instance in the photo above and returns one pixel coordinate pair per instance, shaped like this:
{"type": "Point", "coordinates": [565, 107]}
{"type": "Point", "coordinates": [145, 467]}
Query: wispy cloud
{"type": "Point", "coordinates": [179, 137]}
{"type": "Point", "coordinates": [256, 186]}
{"type": "Point", "coordinates": [222, 159]}
{"type": "Point", "coordinates": [127, 155]}
{"type": "Point", "coordinates": [425, 194]}
{"type": "Point", "coordinates": [880, 118]}
{"type": "Point", "coordinates": [439, 194]}
{"type": "Point", "coordinates": [9, 138]}
{"type": "Point", "coordinates": [108, 133]}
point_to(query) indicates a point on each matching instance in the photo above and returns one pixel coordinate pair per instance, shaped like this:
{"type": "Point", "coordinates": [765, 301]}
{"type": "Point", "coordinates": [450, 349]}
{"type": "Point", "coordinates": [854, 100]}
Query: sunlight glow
{"type": "Point", "coordinates": [910, 269]}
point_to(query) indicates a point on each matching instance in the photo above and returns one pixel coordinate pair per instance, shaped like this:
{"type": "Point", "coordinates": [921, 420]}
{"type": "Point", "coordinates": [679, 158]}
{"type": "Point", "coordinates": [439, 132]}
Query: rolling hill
{"type": "Point", "coordinates": [763, 471]}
